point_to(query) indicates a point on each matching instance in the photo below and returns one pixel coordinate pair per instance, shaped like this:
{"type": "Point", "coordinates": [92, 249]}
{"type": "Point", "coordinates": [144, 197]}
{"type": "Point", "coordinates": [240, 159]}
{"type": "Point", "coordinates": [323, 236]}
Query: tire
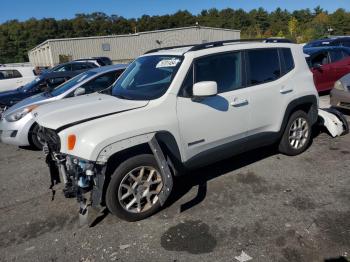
{"type": "Point", "coordinates": [297, 134]}
{"type": "Point", "coordinates": [122, 191]}
{"type": "Point", "coordinates": [33, 138]}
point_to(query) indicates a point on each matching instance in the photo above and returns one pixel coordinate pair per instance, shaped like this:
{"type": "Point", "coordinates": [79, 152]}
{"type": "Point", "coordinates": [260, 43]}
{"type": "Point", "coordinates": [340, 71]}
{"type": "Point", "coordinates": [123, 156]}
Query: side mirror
{"type": "Point", "coordinates": [205, 89]}
{"type": "Point", "coordinates": [79, 91]}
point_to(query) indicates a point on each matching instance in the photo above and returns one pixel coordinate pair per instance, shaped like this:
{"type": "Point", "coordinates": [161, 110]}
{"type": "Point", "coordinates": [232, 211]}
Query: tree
{"type": "Point", "coordinates": [16, 37]}
{"type": "Point", "coordinates": [293, 27]}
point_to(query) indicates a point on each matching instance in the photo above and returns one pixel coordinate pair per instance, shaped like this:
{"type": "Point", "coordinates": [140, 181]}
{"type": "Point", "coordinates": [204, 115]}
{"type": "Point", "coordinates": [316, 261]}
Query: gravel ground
{"type": "Point", "coordinates": [272, 207]}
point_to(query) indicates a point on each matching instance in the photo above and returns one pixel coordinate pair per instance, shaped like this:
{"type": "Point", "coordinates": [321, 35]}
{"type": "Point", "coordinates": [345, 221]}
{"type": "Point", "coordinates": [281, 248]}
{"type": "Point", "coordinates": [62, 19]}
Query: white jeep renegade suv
{"type": "Point", "coordinates": [175, 109]}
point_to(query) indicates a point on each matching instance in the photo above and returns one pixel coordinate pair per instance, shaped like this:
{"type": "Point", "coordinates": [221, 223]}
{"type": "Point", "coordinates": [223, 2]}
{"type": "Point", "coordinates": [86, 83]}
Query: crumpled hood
{"type": "Point", "coordinates": [82, 109]}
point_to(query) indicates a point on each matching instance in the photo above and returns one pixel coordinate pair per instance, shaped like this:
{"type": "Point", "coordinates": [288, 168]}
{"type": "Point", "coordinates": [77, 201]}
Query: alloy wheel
{"type": "Point", "coordinates": [139, 189]}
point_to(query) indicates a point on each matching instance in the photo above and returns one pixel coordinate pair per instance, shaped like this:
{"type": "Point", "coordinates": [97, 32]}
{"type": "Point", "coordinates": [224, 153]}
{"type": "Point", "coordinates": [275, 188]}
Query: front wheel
{"type": "Point", "coordinates": [134, 188]}
{"type": "Point", "coordinates": [297, 135]}
{"type": "Point", "coordinates": [34, 139]}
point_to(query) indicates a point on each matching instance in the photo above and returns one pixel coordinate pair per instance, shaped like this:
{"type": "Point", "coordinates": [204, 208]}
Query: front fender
{"type": "Point", "coordinates": [118, 146]}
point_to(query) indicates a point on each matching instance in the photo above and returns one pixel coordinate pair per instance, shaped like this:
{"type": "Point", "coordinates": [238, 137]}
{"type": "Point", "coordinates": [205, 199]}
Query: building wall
{"type": "Point", "coordinates": [125, 48]}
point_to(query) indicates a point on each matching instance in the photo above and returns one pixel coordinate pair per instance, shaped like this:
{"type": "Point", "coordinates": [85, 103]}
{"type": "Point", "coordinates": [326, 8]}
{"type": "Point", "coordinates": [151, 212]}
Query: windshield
{"type": "Point", "coordinates": [71, 83]}
{"type": "Point", "coordinates": [31, 85]}
{"type": "Point", "coordinates": [147, 78]}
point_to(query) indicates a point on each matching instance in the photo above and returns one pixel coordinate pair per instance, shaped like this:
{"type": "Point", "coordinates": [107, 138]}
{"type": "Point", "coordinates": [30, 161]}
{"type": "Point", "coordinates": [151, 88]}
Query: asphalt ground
{"type": "Point", "coordinates": [270, 206]}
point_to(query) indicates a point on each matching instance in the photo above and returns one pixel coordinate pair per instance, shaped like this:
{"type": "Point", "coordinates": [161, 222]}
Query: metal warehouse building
{"type": "Point", "coordinates": [123, 48]}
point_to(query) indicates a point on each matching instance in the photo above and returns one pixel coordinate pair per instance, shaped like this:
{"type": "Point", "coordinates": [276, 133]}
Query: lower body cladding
{"type": "Point", "coordinates": [88, 182]}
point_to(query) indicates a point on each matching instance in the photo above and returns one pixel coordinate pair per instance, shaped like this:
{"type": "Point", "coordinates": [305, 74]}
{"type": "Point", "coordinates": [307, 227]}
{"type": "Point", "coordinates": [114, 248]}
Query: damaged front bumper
{"type": "Point", "coordinates": [78, 175]}
{"type": "Point", "coordinates": [82, 179]}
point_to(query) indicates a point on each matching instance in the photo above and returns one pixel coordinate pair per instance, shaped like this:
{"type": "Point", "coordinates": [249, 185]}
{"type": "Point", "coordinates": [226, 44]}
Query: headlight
{"type": "Point", "coordinates": [20, 113]}
{"type": "Point", "coordinates": [338, 85]}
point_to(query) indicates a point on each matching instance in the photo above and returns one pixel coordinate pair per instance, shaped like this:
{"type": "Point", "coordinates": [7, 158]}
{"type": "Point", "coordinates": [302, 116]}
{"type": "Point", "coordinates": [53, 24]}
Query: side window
{"type": "Point", "coordinates": [100, 83]}
{"type": "Point", "coordinates": [91, 65]}
{"type": "Point", "coordinates": [346, 53]}
{"type": "Point", "coordinates": [9, 74]}
{"type": "Point", "coordinates": [336, 55]}
{"type": "Point", "coordinates": [287, 60]}
{"type": "Point", "coordinates": [263, 66]}
{"type": "Point", "coordinates": [319, 59]}
{"type": "Point", "coordinates": [347, 43]}
{"type": "Point", "coordinates": [53, 82]}
{"type": "Point", "coordinates": [78, 66]}
{"type": "Point", "coordinates": [64, 68]}
{"type": "Point", "coordinates": [224, 69]}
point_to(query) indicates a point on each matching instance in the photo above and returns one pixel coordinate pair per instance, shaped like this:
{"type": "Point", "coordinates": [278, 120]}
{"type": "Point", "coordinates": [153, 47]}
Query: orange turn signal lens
{"type": "Point", "coordinates": [31, 108]}
{"type": "Point", "coordinates": [71, 142]}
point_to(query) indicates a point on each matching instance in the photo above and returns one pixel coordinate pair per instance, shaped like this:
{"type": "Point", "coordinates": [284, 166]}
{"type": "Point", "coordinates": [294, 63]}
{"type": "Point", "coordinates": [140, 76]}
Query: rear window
{"type": "Point", "coordinates": [336, 55]}
{"type": "Point", "coordinates": [287, 60]}
{"type": "Point", "coordinates": [263, 66]}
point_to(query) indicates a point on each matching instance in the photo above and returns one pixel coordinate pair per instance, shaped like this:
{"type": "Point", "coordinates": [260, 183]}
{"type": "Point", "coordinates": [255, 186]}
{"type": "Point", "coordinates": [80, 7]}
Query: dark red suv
{"type": "Point", "coordinates": [328, 64]}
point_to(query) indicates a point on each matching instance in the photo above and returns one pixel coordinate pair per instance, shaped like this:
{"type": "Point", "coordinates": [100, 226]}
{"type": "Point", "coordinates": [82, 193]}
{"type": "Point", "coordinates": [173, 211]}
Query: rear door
{"type": "Point", "coordinates": [269, 87]}
{"type": "Point", "coordinates": [322, 70]}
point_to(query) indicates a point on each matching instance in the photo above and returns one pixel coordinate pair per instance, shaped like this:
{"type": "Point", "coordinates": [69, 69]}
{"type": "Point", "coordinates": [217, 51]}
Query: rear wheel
{"type": "Point", "coordinates": [297, 135]}
{"type": "Point", "coordinates": [34, 139]}
{"type": "Point", "coordinates": [133, 192]}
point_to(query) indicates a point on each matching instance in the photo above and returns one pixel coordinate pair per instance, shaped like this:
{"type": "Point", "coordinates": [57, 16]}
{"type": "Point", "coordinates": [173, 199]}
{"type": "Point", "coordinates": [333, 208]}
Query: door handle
{"type": "Point", "coordinates": [239, 102]}
{"type": "Point", "coordinates": [286, 90]}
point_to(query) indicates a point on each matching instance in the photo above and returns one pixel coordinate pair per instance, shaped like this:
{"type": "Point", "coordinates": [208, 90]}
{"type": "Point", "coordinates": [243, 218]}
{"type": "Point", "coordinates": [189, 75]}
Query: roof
{"type": "Point", "coordinates": [181, 50]}
{"type": "Point", "coordinates": [130, 35]}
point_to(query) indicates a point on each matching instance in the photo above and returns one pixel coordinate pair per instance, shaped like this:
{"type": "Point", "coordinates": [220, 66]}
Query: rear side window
{"type": "Point", "coordinates": [336, 55]}
{"type": "Point", "coordinates": [263, 66]}
{"type": "Point", "coordinates": [9, 74]}
{"type": "Point", "coordinates": [287, 60]}
{"type": "Point", "coordinates": [224, 69]}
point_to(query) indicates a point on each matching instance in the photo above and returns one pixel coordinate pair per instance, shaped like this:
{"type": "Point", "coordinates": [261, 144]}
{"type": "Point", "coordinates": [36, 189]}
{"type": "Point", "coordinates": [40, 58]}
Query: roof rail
{"type": "Point", "coordinates": [196, 47]}
{"type": "Point", "coordinates": [167, 48]}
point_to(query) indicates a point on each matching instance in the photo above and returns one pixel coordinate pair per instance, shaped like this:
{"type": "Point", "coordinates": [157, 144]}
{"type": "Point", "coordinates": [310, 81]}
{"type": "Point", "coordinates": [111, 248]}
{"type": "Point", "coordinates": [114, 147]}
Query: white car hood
{"type": "Point", "coordinates": [81, 109]}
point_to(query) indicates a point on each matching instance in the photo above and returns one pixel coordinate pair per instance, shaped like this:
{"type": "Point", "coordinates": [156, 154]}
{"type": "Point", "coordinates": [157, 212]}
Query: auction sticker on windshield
{"type": "Point", "coordinates": [168, 63]}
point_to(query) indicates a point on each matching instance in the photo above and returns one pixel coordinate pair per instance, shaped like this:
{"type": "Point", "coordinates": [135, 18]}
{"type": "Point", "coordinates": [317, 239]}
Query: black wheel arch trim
{"type": "Point", "coordinates": [309, 100]}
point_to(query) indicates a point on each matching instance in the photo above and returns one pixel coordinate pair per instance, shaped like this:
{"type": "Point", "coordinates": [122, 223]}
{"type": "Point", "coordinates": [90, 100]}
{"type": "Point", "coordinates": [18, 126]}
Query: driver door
{"type": "Point", "coordinates": [210, 125]}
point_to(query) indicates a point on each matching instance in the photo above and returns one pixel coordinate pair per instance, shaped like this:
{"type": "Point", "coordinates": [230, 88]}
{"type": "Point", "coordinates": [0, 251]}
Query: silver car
{"type": "Point", "coordinates": [17, 126]}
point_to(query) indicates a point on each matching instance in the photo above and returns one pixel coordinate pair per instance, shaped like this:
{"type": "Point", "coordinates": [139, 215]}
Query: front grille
{"type": "Point", "coordinates": [51, 138]}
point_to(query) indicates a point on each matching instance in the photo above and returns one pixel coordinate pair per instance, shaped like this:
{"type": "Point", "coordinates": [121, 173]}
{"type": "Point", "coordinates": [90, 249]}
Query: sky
{"type": "Point", "coordinates": [25, 9]}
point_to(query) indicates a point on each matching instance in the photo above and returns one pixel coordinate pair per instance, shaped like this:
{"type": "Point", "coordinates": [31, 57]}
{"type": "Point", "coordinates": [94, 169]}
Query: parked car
{"type": "Point", "coordinates": [328, 64]}
{"type": "Point", "coordinates": [14, 77]}
{"type": "Point", "coordinates": [17, 126]}
{"type": "Point", "coordinates": [101, 60]}
{"type": "Point", "coordinates": [75, 66]}
{"type": "Point", "coordinates": [277, 40]}
{"type": "Point", "coordinates": [42, 83]}
{"type": "Point", "coordinates": [332, 41]}
{"type": "Point", "coordinates": [173, 110]}
{"type": "Point", "coordinates": [340, 94]}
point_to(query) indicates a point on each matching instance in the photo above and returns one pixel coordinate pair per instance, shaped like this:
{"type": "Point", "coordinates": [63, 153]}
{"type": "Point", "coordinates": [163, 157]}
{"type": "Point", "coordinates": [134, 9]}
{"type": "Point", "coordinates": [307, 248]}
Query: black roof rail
{"type": "Point", "coordinates": [167, 48]}
{"type": "Point", "coordinates": [196, 47]}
